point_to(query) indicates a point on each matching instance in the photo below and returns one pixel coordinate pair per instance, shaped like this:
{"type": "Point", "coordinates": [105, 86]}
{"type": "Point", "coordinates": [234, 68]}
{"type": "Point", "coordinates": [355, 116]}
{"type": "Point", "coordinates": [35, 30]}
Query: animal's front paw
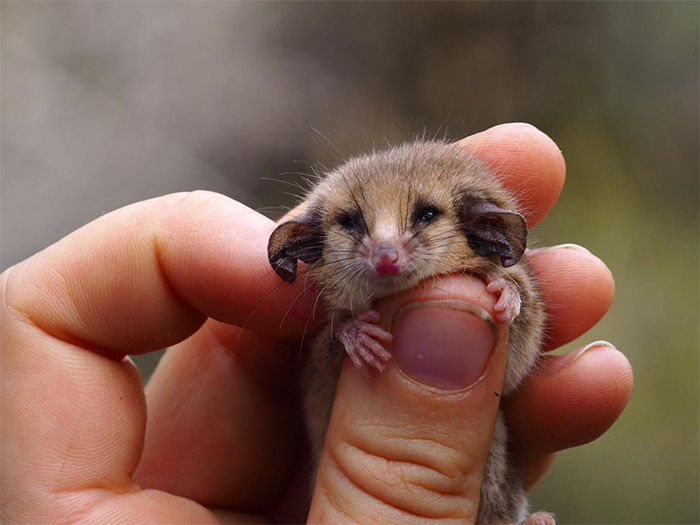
{"type": "Point", "coordinates": [509, 302]}
{"type": "Point", "coordinates": [540, 518]}
{"type": "Point", "coordinates": [366, 343]}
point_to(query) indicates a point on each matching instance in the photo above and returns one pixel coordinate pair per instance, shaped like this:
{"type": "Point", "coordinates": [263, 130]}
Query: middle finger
{"type": "Point", "coordinates": [223, 418]}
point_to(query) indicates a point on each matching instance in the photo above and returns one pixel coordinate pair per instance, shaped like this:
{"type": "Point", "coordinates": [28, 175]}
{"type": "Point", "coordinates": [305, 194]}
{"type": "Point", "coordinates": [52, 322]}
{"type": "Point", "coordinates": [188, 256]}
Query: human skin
{"type": "Point", "coordinates": [216, 436]}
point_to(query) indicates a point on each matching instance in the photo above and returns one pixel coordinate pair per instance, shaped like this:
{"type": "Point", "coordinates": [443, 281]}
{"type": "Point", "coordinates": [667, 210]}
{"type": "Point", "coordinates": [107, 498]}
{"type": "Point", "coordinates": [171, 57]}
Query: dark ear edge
{"type": "Point", "coordinates": [494, 231]}
{"type": "Point", "coordinates": [299, 239]}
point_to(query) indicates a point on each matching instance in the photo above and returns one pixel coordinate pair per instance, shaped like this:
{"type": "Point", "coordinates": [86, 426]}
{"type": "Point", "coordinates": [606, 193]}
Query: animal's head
{"type": "Point", "coordinates": [383, 222]}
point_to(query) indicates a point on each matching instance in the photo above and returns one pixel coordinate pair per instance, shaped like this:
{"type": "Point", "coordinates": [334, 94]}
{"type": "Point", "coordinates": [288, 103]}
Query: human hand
{"type": "Point", "coordinates": [222, 441]}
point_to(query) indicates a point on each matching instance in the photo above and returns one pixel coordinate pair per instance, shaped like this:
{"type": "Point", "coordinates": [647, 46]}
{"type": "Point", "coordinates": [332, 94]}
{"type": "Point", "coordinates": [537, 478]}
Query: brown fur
{"type": "Point", "coordinates": [386, 187]}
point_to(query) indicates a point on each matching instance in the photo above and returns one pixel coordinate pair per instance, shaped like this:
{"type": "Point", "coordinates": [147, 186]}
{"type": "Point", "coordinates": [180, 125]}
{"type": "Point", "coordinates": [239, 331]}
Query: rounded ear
{"type": "Point", "coordinates": [494, 231]}
{"type": "Point", "coordinates": [292, 241]}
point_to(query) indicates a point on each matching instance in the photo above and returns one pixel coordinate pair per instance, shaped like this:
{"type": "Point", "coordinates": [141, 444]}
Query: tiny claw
{"type": "Point", "coordinates": [504, 318]}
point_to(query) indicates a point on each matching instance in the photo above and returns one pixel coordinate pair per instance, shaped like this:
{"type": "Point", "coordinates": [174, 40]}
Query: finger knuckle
{"type": "Point", "coordinates": [422, 478]}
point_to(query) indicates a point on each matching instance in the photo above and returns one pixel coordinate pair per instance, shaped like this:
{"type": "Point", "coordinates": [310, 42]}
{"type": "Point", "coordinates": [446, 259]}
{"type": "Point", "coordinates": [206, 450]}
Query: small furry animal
{"type": "Point", "coordinates": [383, 222]}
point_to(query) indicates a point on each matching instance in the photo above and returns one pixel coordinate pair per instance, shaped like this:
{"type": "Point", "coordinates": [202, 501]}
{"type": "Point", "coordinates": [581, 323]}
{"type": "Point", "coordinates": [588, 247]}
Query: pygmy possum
{"type": "Point", "coordinates": [383, 222]}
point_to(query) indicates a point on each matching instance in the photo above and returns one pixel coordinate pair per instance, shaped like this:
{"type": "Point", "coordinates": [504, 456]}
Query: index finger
{"type": "Point", "coordinates": [147, 276]}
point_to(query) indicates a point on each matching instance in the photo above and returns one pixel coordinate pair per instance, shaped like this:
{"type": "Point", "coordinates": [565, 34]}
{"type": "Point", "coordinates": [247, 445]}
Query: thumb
{"type": "Point", "coordinates": [410, 444]}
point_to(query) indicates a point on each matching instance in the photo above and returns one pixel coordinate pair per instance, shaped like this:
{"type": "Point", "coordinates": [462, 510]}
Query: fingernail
{"type": "Point", "coordinates": [516, 125]}
{"type": "Point", "coordinates": [567, 360]}
{"type": "Point", "coordinates": [568, 246]}
{"type": "Point", "coordinates": [443, 344]}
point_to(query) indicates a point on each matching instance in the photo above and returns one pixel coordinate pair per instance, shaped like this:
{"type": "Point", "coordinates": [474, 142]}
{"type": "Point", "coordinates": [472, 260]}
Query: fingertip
{"type": "Point", "coordinates": [213, 253]}
{"type": "Point", "coordinates": [526, 160]}
{"type": "Point", "coordinates": [570, 400]}
{"type": "Point", "coordinates": [577, 287]}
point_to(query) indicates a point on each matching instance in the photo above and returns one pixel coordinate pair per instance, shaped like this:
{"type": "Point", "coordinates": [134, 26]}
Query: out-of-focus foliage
{"type": "Point", "coordinates": [107, 103]}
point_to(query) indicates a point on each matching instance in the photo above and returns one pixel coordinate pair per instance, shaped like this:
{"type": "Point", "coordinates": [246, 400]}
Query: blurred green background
{"type": "Point", "coordinates": [106, 103]}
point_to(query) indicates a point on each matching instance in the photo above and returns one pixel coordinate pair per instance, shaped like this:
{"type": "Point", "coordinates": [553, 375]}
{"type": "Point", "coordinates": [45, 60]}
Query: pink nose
{"type": "Point", "coordinates": [386, 260]}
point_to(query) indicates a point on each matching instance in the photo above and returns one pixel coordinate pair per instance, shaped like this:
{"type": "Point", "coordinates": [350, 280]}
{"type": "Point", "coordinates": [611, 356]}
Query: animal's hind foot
{"type": "Point", "coordinates": [540, 518]}
{"type": "Point", "coordinates": [508, 306]}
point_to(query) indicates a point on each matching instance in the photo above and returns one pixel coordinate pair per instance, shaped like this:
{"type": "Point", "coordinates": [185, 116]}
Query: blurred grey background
{"type": "Point", "coordinates": [107, 103]}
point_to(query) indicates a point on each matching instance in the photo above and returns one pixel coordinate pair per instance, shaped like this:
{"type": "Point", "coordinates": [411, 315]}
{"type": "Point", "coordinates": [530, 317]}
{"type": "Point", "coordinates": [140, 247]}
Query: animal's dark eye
{"type": "Point", "coordinates": [350, 220]}
{"type": "Point", "coordinates": [426, 214]}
